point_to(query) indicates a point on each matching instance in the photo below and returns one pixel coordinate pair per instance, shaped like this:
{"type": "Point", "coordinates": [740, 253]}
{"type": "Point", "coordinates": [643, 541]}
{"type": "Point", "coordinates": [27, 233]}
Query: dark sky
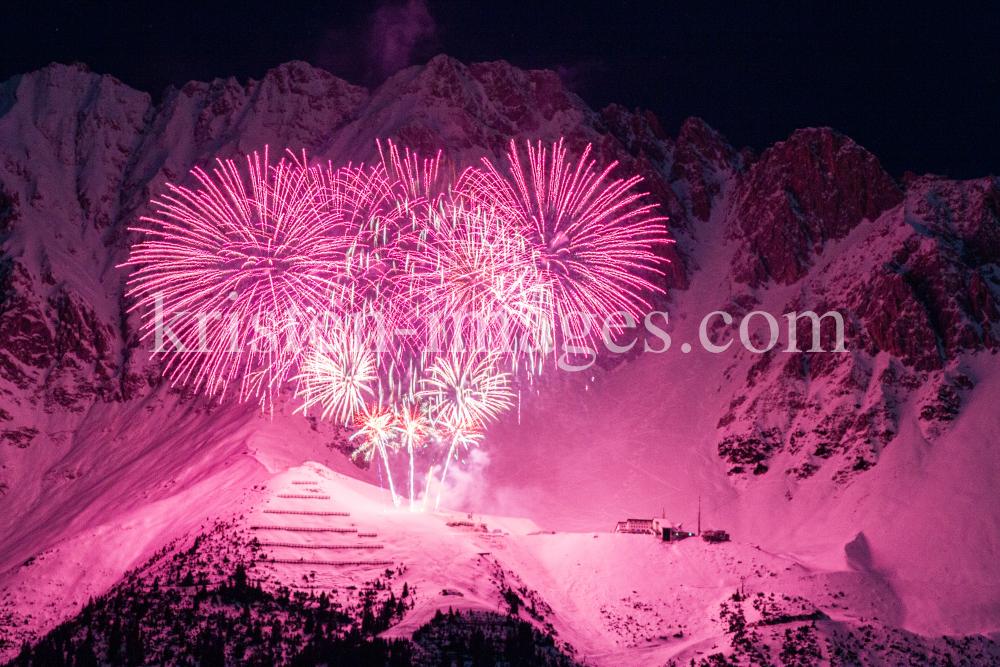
{"type": "Point", "coordinates": [917, 85]}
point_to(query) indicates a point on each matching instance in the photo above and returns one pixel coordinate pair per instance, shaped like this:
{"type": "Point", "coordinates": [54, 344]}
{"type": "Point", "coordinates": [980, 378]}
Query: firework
{"type": "Point", "coordinates": [476, 273]}
{"type": "Point", "coordinates": [412, 427]}
{"type": "Point", "coordinates": [336, 373]}
{"type": "Point", "coordinates": [246, 273]}
{"type": "Point", "coordinates": [384, 208]}
{"type": "Point", "coordinates": [367, 222]}
{"type": "Point", "coordinates": [466, 388]}
{"type": "Point", "coordinates": [381, 206]}
{"type": "Point", "coordinates": [591, 239]}
{"type": "Point", "coordinates": [458, 433]}
{"type": "Point", "coordinates": [251, 257]}
{"type": "Point", "coordinates": [420, 184]}
{"type": "Point", "coordinates": [464, 392]}
{"type": "Point", "coordinates": [374, 425]}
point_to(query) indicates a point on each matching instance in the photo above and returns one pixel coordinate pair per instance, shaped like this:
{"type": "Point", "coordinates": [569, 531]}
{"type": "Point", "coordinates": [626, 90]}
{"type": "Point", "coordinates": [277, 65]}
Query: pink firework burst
{"type": "Point", "coordinates": [592, 240]}
{"type": "Point", "coordinates": [474, 275]}
{"type": "Point", "coordinates": [386, 207]}
{"type": "Point", "coordinates": [421, 182]}
{"type": "Point", "coordinates": [382, 206]}
{"type": "Point", "coordinates": [463, 392]}
{"type": "Point", "coordinates": [365, 202]}
{"type": "Point", "coordinates": [230, 270]}
{"type": "Point", "coordinates": [374, 424]}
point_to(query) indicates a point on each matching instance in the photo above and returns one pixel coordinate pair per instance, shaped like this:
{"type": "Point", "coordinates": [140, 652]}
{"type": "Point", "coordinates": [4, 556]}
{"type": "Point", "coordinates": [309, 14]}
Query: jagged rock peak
{"type": "Point", "coordinates": [469, 112]}
{"type": "Point", "coordinates": [703, 160]}
{"type": "Point", "coordinates": [640, 132]}
{"type": "Point", "coordinates": [812, 188]}
{"type": "Point", "coordinates": [698, 138]}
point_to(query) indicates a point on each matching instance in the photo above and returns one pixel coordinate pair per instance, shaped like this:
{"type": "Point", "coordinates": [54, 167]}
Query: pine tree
{"type": "Point", "coordinates": [240, 577]}
{"type": "Point", "coordinates": [135, 649]}
{"type": "Point", "coordinates": [85, 656]}
{"type": "Point", "coordinates": [115, 643]}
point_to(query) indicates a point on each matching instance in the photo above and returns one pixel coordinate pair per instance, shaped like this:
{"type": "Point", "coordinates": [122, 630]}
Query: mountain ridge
{"type": "Point", "coordinates": [813, 223]}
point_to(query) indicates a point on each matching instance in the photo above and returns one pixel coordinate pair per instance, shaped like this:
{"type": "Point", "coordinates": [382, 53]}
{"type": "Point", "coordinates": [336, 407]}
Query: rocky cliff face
{"type": "Point", "coordinates": [817, 214]}
{"type": "Point", "coordinates": [814, 223]}
{"type": "Point", "coordinates": [803, 193]}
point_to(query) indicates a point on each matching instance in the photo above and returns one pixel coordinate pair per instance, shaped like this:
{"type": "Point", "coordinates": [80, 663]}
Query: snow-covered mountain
{"type": "Point", "coordinates": [795, 452]}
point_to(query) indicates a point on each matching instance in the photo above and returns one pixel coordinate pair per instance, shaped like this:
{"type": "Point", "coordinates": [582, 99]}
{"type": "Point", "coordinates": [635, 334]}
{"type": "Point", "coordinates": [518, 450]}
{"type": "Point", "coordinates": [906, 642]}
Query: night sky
{"type": "Point", "coordinates": [919, 86]}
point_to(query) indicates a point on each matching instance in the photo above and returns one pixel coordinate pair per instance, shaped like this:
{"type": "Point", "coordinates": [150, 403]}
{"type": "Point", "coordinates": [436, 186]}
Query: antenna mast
{"type": "Point", "coordinates": [699, 514]}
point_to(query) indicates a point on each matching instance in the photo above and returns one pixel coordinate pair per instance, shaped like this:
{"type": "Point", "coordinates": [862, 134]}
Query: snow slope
{"type": "Point", "coordinates": [609, 599]}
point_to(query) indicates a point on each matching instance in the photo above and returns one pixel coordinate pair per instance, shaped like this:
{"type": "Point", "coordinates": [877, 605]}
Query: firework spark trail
{"type": "Point", "coordinates": [413, 427]}
{"type": "Point", "coordinates": [248, 255]}
{"type": "Point", "coordinates": [386, 206]}
{"type": "Point", "coordinates": [460, 433]}
{"type": "Point", "coordinates": [367, 204]}
{"type": "Point", "coordinates": [464, 392]}
{"type": "Point", "coordinates": [592, 241]}
{"type": "Point", "coordinates": [382, 206]}
{"type": "Point", "coordinates": [420, 182]}
{"type": "Point", "coordinates": [420, 190]}
{"type": "Point", "coordinates": [375, 426]}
